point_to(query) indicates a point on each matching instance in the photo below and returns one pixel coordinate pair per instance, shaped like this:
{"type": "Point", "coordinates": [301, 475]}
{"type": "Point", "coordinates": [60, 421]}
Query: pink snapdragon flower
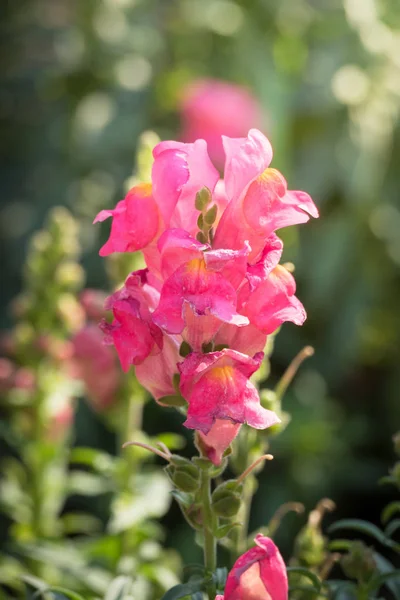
{"type": "Point", "coordinates": [212, 108]}
{"type": "Point", "coordinates": [216, 386]}
{"type": "Point", "coordinates": [215, 284]}
{"type": "Point", "coordinates": [95, 364]}
{"type": "Point", "coordinates": [259, 574]}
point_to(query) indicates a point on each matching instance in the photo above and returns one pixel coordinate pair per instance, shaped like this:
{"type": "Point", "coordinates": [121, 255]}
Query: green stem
{"type": "Point", "coordinates": [210, 544]}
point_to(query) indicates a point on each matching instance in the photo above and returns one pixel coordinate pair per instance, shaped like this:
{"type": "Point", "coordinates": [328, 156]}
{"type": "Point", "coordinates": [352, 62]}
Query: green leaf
{"type": "Point", "coordinates": [74, 523]}
{"type": "Point", "coordinates": [88, 484]}
{"type": "Point", "coordinates": [102, 462]}
{"type": "Point", "coordinates": [183, 590]}
{"type": "Point", "coordinates": [224, 530]}
{"type": "Point", "coordinates": [378, 582]}
{"type": "Point", "coordinates": [118, 588]}
{"type": "Point", "coordinates": [336, 545]}
{"type": "Point", "coordinates": [390, 510]}
{"type": "Point", "coordinates": [64, 593]}
{"type": "Point", "coordinates": [305, 573]}
{"type": "Point", "coordinates": [363, 527]}
{"type": "Point", "coordinates": [385, 567]}
{"type": "Point", "coordinates": [152, 499]}
{"type": "Point", "coordinates": [392, 528]}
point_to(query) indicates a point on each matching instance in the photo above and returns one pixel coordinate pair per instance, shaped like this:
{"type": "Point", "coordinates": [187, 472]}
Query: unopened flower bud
{"type": "Point", "coordinates": [359, 562]}
{"type": "Point", "coordinates": [203, 198]}
{"type": "Point", "coordinates": [226, 499]}
{"type": "Point", "coordinates": [211, 215]}
{"type": "Point", "coordinates": [184, 349]}
{"type": "Point", "coordinates": [183, 474]}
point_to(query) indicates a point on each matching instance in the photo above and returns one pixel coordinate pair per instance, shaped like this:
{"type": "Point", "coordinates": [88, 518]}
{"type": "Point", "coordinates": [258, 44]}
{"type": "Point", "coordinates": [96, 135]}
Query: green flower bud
{"type": "Point", "coordinates": [211, 215]}
{"type": "Point", "coordinates": [184, 349]}
{"type": "Point", "coordinates": [226, 499]}
{"type": "Point", "coordinates": [359, 562]}
{"type": "Point", "coordinates": [207, 347]}
{"type": "Point", "coordinates": [200, 222]}
{"type": "Point", "coordinates": [310, 547]}
{"type": "Point", "coordinates": [227, 506]}
{"type": "Point", "coordinates": [203, 198]}
{"type": "Point", "coordinates": [183, 474]}
{"type": "Point", "coordinates": [200, 237]}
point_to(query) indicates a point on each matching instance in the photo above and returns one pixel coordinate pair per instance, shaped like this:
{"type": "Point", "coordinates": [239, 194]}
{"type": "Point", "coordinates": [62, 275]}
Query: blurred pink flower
{"type": "Point", "coordinates": [95, 364]}
{"type": "Point", "coordinates": [211, 108]}
{"type": "Point", "coordinates": [259, 574]}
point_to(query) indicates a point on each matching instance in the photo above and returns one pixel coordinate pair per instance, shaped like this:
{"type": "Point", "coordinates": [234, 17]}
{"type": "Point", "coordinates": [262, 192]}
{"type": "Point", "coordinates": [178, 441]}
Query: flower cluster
{"type": "Point", "coordinates": [199, 315]}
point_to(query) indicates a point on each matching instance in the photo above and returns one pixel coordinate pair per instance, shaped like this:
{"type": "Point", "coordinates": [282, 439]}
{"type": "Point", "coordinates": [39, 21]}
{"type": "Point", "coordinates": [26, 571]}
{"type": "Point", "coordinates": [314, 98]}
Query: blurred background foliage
{"type": "Point", "coordinates": [81, 80]}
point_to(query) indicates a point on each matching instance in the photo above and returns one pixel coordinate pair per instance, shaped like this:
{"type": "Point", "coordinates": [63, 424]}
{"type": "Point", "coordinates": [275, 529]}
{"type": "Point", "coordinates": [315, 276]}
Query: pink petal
{"type": "Point", "coordinates": [268, 205]}
{"type": "Point", "coordinates": [179, 171]}
{"type": "Point", "coordinates": [207, 292]}
{"type": "Point", "coordinates": [232, 264]}
{"type": "Point", "coordinates": [261, 570]}
{"type": "Point", "coordinates": [219, 438]}
{"type": "Point", "coordinates": [268, 260]}
{"type": "Point", "coordinates": [156, 372]}
{"type": "Point", "coordinates": [246, 158]}
{"type": "Point", "coordinates": [273, 302]}
{"type": "Point", "coordinates": [216, 386]}
{"type": "Point", "coordinates": [247, 340]}
{"type": "Point", "coordinates": [177, 246]}
{"type": "Point", "coordinates": [135, 221]}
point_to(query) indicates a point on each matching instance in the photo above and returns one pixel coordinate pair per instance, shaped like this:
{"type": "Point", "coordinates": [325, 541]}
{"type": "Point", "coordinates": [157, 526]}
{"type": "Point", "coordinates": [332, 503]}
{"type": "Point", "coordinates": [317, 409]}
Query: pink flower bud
{"type": "Point", "coordinates": [259, 574]}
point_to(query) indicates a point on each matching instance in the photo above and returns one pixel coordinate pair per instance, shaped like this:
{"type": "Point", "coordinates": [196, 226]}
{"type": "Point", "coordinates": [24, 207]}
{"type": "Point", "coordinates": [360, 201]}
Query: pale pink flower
{"type": "Point", "coordinates": [95, 364]}
{"type": "Point", "coordinates": [259, 574]}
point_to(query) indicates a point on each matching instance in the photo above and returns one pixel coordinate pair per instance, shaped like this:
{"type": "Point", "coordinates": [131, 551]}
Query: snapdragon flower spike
{"type": "Point", "coordinates": [195, 302]}
{"type": "Point", "coordinates": [259, 574]}
{"type": "Point", "coordinates": [216, 386]}
{"type": "Point", "coordinates": [260, 202]}
{"type": "Point", "coordinates": [132, 331]}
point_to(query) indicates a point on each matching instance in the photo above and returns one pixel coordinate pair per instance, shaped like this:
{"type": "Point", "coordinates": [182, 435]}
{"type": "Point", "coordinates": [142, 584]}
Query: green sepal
{"type": "Point", "coordinates": [172, 400]}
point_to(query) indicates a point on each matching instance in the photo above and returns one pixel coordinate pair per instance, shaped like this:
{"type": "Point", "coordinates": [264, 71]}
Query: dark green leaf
{"type": "Point", "coordinates": [392, 528]}
{"type": "Point", "coordinates": [381, 580]}
{"type": "Point", "coordinates": [305, 573]}
{"type": "Point", "coordinates": [385, 567]}
{"type": "Point", "coordinates": [64, 593]}
{"type": "Point", "coordinates": [183, 589]}
{"type": "Point", "coordinates": [363, 527]}
{"type": "Point", "coordinates": [390, 510]}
